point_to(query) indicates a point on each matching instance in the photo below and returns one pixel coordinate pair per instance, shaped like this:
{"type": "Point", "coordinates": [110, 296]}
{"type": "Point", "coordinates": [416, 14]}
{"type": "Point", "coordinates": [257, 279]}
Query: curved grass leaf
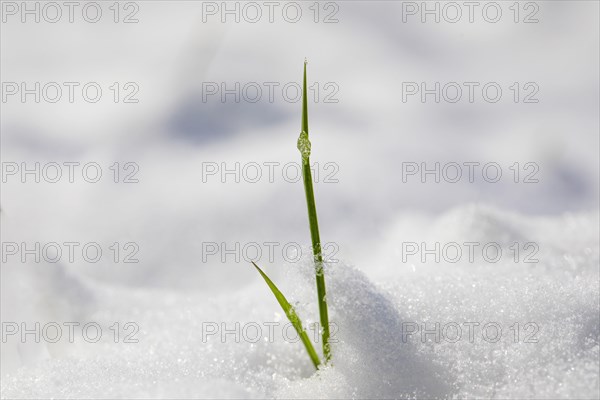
{"type": "Point", "coordinates": [290, 312]}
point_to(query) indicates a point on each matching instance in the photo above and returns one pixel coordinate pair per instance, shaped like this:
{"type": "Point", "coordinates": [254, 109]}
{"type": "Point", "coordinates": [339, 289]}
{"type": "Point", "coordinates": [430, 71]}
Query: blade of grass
{"type": "Point", "coordinates": [304, 147]}
{"type": "Point", "coordinates": [290, 312]}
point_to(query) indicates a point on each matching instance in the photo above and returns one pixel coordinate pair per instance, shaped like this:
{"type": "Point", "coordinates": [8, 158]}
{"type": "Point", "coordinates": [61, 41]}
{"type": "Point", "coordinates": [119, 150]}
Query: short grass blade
{"type": "Point", "coordinates": [290, 312]}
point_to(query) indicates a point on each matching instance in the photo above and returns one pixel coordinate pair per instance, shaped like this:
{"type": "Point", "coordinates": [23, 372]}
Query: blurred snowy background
{"type": "Point", "coordinates": [364, 59]}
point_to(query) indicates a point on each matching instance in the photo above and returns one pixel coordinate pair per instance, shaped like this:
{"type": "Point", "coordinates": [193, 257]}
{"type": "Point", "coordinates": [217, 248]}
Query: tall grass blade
{"type": "Point", "coordinates": [290, 312]}
{"type": "Point", "coordinates": [304, 147]}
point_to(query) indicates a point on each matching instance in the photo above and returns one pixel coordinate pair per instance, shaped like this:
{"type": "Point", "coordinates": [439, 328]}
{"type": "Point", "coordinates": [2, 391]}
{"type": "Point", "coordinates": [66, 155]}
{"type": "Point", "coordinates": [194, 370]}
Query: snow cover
{"type": "Point", "coordinates": [372, 359]}
{"type": "Point", "coordinates": [376, 298]}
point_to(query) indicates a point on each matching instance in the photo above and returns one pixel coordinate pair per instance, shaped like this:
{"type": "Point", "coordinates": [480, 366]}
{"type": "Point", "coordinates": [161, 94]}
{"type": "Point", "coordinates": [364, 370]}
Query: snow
{"type": "Point", "coordinates": [372, 358]}
{"type": "Point", "coordinates": [377, 294]}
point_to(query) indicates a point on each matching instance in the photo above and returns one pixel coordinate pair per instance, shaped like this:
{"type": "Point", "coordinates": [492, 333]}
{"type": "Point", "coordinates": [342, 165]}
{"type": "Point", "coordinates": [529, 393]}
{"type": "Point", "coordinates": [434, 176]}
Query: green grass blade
{"type": "Point", "coordinates": [304, 146]}
{"type": "Point", "coordinates": [290, 312]}
{"type": "Point", "coordinates": [304, 102]}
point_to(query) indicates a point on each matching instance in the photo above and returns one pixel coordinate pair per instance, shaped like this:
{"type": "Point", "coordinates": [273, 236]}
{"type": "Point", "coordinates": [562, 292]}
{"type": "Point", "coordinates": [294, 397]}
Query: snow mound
{"type": "Point", "coordinates": [396, 325]}
{"type": "Point", "coordinates": [371, 358]}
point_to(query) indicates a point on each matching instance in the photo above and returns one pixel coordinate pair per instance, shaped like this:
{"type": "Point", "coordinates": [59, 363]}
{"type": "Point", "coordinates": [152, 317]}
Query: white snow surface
{"type": "Point", "coordinates": [371, 358]}
{"type": "Point", "coordinates": [376, 298]}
